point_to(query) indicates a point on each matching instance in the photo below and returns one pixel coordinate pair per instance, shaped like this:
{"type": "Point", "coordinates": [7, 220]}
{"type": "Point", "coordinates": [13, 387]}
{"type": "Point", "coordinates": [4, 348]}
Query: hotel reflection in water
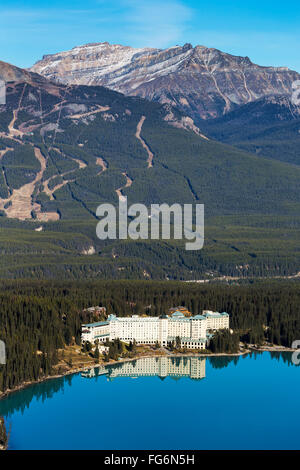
{"type": "Point", "coordinates": [165, 366]}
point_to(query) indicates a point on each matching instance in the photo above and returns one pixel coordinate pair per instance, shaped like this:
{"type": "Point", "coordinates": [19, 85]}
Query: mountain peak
{"type": "Point", "coordinates": [201, 81]}
{"type": "Point", "coordinates": [11, 73]}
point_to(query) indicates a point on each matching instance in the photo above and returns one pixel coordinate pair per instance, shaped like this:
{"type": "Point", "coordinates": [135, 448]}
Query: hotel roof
{"type": "Point", "coordinates": [111, 317]}
{"type": "Point", "coordinates": [177, 314]}
{"type": "Point", "coordinates": [93, 325]}
{"type": "Point", "coordinates": [215, 314]}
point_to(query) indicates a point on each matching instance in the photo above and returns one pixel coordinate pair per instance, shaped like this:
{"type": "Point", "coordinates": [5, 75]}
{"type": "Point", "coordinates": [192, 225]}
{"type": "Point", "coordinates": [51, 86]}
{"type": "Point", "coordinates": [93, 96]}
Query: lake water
{"type": "Point", "coordinates": [249, 402]}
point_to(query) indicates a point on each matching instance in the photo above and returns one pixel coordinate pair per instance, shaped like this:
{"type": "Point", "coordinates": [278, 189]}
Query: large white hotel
{"type": "Point", "coordinates": [193, 331]}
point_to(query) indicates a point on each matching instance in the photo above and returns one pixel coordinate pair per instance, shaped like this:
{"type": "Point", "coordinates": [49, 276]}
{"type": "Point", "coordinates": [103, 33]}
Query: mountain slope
{"type": "Point", "coordinates": [11, 74]}
{"type": "Point", "coordinates": [202, 82]}
{"type": "Point", "coordinates": [79, 146]}
{"type": "Point", "coordinates": [66, 149]}
{"type": "Point", "coordinates": [269, 127]}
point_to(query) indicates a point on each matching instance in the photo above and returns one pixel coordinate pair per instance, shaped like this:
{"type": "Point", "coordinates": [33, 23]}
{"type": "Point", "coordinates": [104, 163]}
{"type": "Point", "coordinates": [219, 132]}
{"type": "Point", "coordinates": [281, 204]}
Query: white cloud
{"type": "Point", "coordinates": [156, 23]}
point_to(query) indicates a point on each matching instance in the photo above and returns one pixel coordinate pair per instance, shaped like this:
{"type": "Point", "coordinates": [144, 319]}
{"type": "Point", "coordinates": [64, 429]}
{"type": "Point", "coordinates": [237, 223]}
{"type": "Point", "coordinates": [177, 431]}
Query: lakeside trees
{"type": "Point", "coordinates": [224, 341]}
{"type": "Point", "coordinates": [3, 434]}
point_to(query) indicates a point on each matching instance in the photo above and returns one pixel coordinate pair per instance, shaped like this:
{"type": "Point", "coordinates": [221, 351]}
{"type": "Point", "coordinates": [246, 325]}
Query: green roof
{"type": "Point", "coordinates": [112, 317]}
{"type": "Point", "coordinates": [216, 314]}
{"type": "Point", "coordinates": [93, 325]}
{"type": "Point", "coordinates": [177, 314]}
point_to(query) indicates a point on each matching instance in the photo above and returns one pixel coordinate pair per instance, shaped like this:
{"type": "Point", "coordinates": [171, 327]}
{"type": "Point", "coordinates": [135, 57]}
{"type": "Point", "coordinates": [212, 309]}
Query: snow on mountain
{"type": "Point", "coordinates": [202, 82]}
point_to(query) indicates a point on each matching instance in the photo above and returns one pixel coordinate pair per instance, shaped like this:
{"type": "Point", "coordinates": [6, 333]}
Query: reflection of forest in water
{"type": "Point", "coordinates": [178, 366]}
{"type": "Point", "coordinates": [20, 400]}
{"type": "Point", "coordinates": [219, 362]}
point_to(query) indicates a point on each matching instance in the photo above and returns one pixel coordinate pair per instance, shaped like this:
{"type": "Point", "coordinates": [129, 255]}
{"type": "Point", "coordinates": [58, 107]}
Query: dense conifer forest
{"type": "Point", "coordinates": [38, 317]}
{"type": "Point", "coordinates": [251, 202]}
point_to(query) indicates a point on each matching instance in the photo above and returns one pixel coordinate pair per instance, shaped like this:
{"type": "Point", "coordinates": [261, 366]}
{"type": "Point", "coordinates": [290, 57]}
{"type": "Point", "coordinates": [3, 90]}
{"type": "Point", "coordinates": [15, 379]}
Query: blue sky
{"type": "Point", "coordinates": [266, 31]}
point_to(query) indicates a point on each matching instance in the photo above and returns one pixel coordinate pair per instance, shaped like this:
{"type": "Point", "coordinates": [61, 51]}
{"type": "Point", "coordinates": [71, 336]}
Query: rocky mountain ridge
{"type": "Point", "coordinates": [200, 81]}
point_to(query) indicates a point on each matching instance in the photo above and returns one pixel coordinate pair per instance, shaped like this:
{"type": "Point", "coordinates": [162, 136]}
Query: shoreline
{"type": "Point", "coordinates": [161, 353]}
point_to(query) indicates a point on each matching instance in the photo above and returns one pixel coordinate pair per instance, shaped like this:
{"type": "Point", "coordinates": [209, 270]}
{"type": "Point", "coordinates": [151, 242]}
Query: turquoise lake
{"type": "Point", "coordinates": [248, 402]}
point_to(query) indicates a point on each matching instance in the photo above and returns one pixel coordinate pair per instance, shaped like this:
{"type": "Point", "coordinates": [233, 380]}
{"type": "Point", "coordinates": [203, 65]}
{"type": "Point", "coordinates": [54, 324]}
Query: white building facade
{"type": "Point", "coordinates": [192, 331]}
{"type": "Point", "coordinates": [215, 320]}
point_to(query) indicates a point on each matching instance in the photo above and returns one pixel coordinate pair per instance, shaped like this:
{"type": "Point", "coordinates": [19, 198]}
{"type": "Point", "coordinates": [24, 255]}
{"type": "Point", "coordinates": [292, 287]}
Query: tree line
{"type": "Point", "coordinates": [39, 317]}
